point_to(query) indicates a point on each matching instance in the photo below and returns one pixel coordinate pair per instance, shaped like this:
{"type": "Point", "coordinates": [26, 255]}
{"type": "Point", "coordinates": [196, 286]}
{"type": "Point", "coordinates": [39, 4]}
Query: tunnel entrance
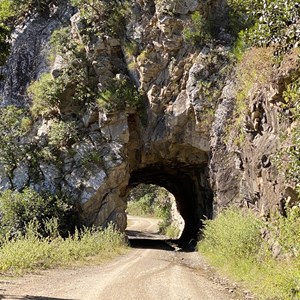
{"type": "Point", "coordinates": [189, 185]}
{"type": "Point", "coordinates": [152, 213]}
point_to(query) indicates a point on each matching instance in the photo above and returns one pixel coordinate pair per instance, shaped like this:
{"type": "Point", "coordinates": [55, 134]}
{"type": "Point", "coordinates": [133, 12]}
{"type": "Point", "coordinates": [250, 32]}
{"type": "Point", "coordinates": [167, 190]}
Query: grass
{"type": "Point", "coordinates": [254, 69]}
{"type": "Point", "coordinates": [172, 231]}
{"type": "Point", "coordinates": [32, 252]}
{"type": "Point", "coordinates": [241, 247]}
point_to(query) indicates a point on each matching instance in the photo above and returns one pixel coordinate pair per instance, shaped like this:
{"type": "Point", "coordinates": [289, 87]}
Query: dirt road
{"type": "Point", "coordinates": [142, 274]}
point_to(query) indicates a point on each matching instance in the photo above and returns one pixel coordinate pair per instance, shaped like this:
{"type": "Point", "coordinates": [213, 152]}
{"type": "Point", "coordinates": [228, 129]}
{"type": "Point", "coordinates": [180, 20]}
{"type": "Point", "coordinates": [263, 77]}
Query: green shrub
{"type": "Point", "coordinates": [142, 206]}
{"type": "Point", "coordinates": [241, 246]}
{"type": "Point", "coordinates": [32, 252]}
{"type": "Point", "coordinates": [253, 70]}
{"type": "Point", "coordinates": [121, 95]}
{"type": "Point", "coordinates": [91, 158]}
{"type": "Point", "coordinates": [172, 232]}
{"type": "Point", "coordinates": [286, 231]}
{"type": "Point", "coordinates": [31, 5]}
{"type": "Point", "coordinates": [287, 159]}
{"type": "Point", "coordinates": [265, 23]}
{"type": "Point", "coordinates": [104, 17]}
{"type": "Point", "coordinates": [62, 134]}
{"type": "Point", "coordinates": [54, 96]}
{"type": "Point", "coordinates": [10, 10]}
{"type": "Point", "coordinates": [7, 12]}
{"type": "Point", "coordinates": [18, 209]}
{"type": "Point", "coordinates": [46, 95]}
{"type": "Point", "coordinates": [233, 234]}
{"type": "Point", "coordinates": [68, 90]}
{"type": "Point", "coordinates": [197, 33]}
{"type": "Point", "coordinates": [14, 125]}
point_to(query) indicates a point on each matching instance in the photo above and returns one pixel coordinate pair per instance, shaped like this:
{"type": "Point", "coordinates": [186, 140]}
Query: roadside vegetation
{"type": "Point", "coordinates": [38, 231]}
{"type": "Point", "coordinates": [154, 201]}
{"type": "Point", "coordinates": [263, 255]}
{"type": "Point", "coordinates": [31, 251]}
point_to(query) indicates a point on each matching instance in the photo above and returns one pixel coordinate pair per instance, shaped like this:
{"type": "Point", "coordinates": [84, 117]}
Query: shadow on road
{"type": "Point", "coordinates": [150, 244]}
{"type": "Point", "coordinates": [30, 297]}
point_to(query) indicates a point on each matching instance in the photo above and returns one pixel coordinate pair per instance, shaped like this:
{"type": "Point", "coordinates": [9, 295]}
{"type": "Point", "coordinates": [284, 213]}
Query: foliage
{"type": "Point", "coordinates": [291, 97]}
{"type": "Point", "coordinates": [6, 13]}
{"type": "Point", "coordinates": [18, 209]}
{"type": "Point", "coordinates": [147, 200]}
{"type": "Point", "coordinates": [121, 95]}
{"type": "Point", "coordinates": [172, 231]}
{"type": "Point", "coordinates": [164, 212]}
{"type": "Point", "coordinates": [9, 12]}
{"type": "Point", "coordinates": [54, 96]}
{"type": "Point", "coordinates": [103, 17]}
{"type": "Point", "coordinates": [62, 133]}
{"type": "Point", "coordinates": [31, 5]}
{"type": "Point", "coordinates": [72, 88]}
{"type": "Point", "coordinates": [265, 23]}
{"type": "Point", "coordinates": [241, 245]}
{"type": "Point", "coordinates": [91, 158]}
{"type": "Point", "coordinates": [197, 33]}
{"type": "Point", "coordinates": [152, 200]}
{"type": "Point", "coordinates": [60, 41]}
{"type": "Point", "coordinates": [286, 231]}
{"type": "Point", "coordinates": [287, 159]}
{"type": "Point", "coordinates": [14, 124]}
{"type": "Point", "coordinates": [142, 207]}
{"type": "Point", "coordinates": [253, 70]}
{"type": "Point", "coordinates": [46, 93]}
{"type": "Point", "coordinates": [241, 241]}
{"type": "Point", "coordinates": [31, 251]}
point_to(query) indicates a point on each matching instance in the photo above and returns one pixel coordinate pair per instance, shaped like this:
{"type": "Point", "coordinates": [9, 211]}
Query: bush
{"type": "Point", "coordinates": [7, 12]}
{"type": "Point", "coordinates": [286, 231]}
{"type": "Point", "coordinates": [32, 5]}
{"type": "Point", "coordinates": [121, 95]}
{"type": "Point", "coordinates": [72, 88]}
{"type": "Point", "coordinates": [253, 70]}
{"type": "Point", "coordinates": [18, 209]}
{"type": "Point", "coordinates": [234, 234]}
{"type": "Point", "coordinates": [14, 125]}
{"type": "Point", "coordinates": [241, 245]}
{"type": "Point", "coordinates": [265, 23]}
{"type": "Point", "coordinates": [287, 159]}
{"type": "Point", "coordinates": [172, 232]}
{"type": "Point", "coordinates": [46, 95]}
{"type": "Point", "coordinates": [105, 17]}
{"type": "Point", "coordinates": [197, 33]}
{"type": "Point", "coordinates": [62, 133]}
{"type": "Point", "coordinates": [32, 252]}
{"type": "Point", "coordinates": [142, 206]}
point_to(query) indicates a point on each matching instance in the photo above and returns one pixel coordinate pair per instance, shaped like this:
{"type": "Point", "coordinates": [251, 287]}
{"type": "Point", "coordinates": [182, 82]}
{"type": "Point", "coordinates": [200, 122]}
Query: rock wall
{"type": "Point", "coordinates": [190, 95]}
{"type": "Point", "coordinates": [248, 174]}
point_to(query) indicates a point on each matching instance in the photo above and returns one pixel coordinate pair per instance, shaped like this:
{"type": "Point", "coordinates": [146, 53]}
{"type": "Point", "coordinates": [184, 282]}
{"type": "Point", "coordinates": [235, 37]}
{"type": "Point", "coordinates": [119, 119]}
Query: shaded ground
{"type": "Point", "coordinates": [157, 272]}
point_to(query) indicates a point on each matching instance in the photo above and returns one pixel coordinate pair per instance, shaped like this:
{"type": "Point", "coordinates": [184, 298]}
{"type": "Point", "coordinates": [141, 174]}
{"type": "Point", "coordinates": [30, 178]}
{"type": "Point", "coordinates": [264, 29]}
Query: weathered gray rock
{"type": "Point", "coordinates": [174, 141]}
{"type": "Point", "coordinates": [27, 59]}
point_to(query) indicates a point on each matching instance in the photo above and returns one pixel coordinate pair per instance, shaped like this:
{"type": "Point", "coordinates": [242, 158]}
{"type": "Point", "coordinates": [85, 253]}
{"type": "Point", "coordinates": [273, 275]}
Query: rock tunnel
{"type": "Point", "coordinates": [190, 188]}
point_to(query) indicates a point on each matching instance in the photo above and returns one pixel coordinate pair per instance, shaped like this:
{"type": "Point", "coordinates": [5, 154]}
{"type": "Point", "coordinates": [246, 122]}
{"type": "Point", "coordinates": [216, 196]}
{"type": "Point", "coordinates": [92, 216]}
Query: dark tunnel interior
{"type": "Point", "coordinates": [190, 188]}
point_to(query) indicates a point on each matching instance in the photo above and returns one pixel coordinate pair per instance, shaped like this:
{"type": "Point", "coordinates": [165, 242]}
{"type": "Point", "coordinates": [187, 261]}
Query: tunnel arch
{"type": "Point", "coordinates": [190, 187]}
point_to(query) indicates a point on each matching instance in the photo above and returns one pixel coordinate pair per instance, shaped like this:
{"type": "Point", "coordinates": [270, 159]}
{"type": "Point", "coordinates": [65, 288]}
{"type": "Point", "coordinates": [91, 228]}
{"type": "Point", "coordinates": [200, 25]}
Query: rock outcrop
{"type": "Point", "coordinates": [178, 140]}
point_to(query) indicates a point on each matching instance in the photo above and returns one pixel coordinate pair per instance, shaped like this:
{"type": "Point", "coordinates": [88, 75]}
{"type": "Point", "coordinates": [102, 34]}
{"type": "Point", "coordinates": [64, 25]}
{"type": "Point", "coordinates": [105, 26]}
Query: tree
{"type": "Point", "coordinates": [14, 125]}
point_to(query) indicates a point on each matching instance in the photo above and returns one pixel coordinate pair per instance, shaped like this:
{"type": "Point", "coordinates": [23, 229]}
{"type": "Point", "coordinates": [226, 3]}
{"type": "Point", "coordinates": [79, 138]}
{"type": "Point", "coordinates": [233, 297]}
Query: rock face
{"type": "Point", "coordinates": [189, 98]}
{"type": "Point", "coordinates": [247, 174]}
{"type": "Point", "coordinates": [29, 46]}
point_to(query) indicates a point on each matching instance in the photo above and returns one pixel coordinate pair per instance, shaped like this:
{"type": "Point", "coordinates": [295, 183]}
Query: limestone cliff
{"type": "Point", "coordinates": [182, 136]}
